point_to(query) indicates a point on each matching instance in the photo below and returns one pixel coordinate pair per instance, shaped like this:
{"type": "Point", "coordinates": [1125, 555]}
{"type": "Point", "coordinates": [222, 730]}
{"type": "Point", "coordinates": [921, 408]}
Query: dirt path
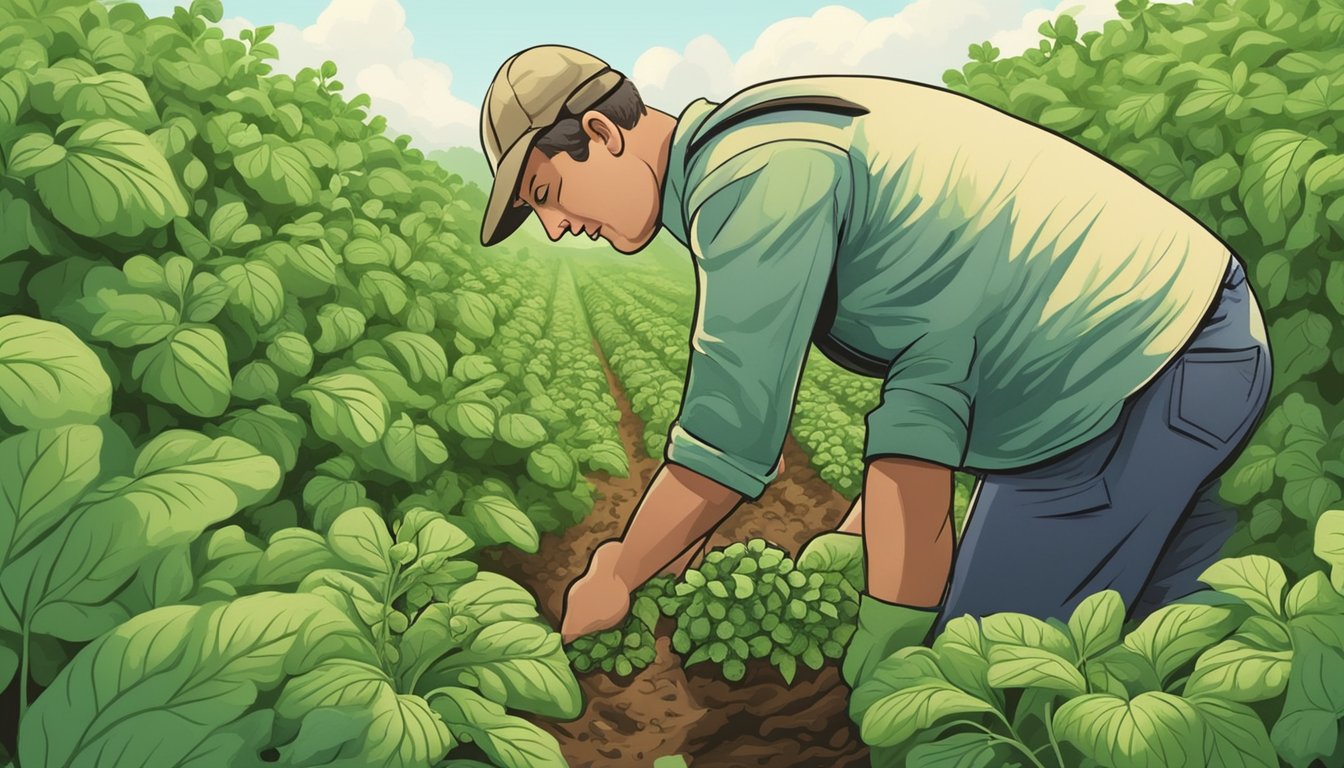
{"type": "Point", "coordinates": [665, 709]}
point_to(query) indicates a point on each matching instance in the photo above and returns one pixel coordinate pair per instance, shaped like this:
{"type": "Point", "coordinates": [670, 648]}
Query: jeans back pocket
{"type": "Point", "coordinates": [1215, 393]}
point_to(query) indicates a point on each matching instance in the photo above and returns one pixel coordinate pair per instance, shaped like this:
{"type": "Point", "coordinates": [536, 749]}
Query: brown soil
{"type": "Point", "coordinates": [666, 709]}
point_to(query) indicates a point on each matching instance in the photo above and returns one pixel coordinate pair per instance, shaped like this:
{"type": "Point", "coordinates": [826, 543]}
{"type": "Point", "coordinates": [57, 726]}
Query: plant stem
{"type": "Point", "coordinates": [1050, 733]}
{"type": "Point", "coordinates": [23, 672]}
{"type": "Point", "coordinates": [387, 603]}
{"type": "Point", "coordinates": [1016, 741]}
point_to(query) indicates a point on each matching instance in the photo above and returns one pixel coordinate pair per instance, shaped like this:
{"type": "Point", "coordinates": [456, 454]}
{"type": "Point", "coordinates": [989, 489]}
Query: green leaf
{"type": "Point", "coordinates": [348, 406]}
{"type": "Point", "coordinates": [132, 319]}
{"type": "Point", "coordinates": [1321, 95]}
{"type": "Point", "coordinates": [519, 664]}
{"type": "Point", "coordinates": [1235, 671]}
{"type": "Point", "coordinates": [894, 718]}
{"type": "Point", "coordinates": [1334, 286]}
{"type": "Point", "coordinates": [120, 95]}
{"type": "Point", "coordinates": [279, 173]}
{"type": "Point", "coordinates": [74, 388]}
{"type": "Point", "coordinates": [291, 353]}
{"type": "Point", "coordinates": [420, 356]}
{"type": "Point", "coordinates": [1326, 175]}
{"type": "Point", "coordinates": [520, 430]}
{"type": "Point", "coordinates": [962, 750]}
{"type": "Point", "coordinates": [1235, 735]}
{"type": "Point", "coordinates": [1308, 728]}
{"type": "Point", "coordinates": [189, 369]}
{"type": "Point", "coordinates": [1139, 114]}
{"type": "Point", "coordinates": [1153, 730]}
{"type": "Point", "coordinates": [256, 288]}
{"type": "Point", "coordinates": [475, 315]}
{"type": "Point", "coordinates": [394, 730]}
{"type": "Point", "coordinates": [835, 552]}
{"type": "Point", "coordinates": [413, 450]}
{"type": "Point", "coordinates": [111, 181]}
{"type": "Point", "coordinates": [473, 420]}
{"type": "Point", "coordinates": [1097, 622]}
{"type": "Point", "coordinates": [198, 668]}
{"type": "Point", "coordinates": [268, 428]}
{"type": "Point", "coordinates": [292, 554]}
{"type": "Point", "coordinates": [1023, 630]}
{"type": "Point", "coordinates": [1215, 177]}
{"type": "Point", "coordinates": [1255, 579]}
{"type": "Point", "coordinates": [1329, 544]}
{"type": "Point", "coordinates": [359, 537]}
{"type": "Point", "coordinates": [510, 742]}
{"type": "Point", "coordinates": [181, 483]}
{"type": "Point", "coordinates": [225, 222]}
{"type": "Point", "coordinates": [1271, 183]}
{"type": "Point", "coordinates": [1013, 666]}
{"type": "Point", "coordinates": [256, 380]}
{"type": "Point", "coordinates": [364, 252]}
{"type": "Point", "coordinates": [32, 153]}
{"type": "Point", "coordinates": [1301, 345]}
{"type": "Point", "coordinates": [552, 466]}
{"type": "Point", "coordinates": [502, 521]}
{"type": "Point", "coordinates": [341, 326]}
{"type": "Point", "coordinates": [1174, 634]}
{"type": "Point", "coordinates": [44, 472]}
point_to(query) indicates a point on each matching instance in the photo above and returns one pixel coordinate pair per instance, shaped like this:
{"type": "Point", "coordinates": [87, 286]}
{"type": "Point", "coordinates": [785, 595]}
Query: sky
{"type": "Point", "coordinates": [426, 64]}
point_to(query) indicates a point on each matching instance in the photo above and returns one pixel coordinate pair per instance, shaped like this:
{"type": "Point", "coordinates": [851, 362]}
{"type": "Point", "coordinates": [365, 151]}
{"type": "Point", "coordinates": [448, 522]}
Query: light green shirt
{"type": "Point", "coordinates": [1013, 287]}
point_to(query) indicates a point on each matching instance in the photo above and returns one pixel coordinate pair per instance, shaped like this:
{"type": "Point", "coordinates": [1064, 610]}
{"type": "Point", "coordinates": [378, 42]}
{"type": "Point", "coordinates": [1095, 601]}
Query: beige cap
{"type": "Point", "coordinates": [528, 95]}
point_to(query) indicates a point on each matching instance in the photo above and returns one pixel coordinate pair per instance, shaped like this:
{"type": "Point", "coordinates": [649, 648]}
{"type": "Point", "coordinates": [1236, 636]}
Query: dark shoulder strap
{"type": "Point", "coordinates": [820, 103]}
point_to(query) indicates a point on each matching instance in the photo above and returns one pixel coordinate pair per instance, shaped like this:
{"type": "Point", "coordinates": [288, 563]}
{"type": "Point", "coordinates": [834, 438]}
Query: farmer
{"type": "Point", "coordinates": [1037, 316]}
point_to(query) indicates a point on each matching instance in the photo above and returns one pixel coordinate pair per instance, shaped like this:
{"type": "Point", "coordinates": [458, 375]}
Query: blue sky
{"type": "Point", "coordinates": [427, 63]}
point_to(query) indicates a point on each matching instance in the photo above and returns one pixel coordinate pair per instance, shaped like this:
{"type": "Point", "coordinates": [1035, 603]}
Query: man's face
{"type": "Point", "coordinates": [612, 194]}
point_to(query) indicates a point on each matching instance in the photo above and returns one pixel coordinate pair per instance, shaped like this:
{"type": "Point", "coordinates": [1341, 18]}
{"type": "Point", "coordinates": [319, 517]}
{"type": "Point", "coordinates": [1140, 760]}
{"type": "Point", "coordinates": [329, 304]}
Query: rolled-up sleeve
{"type": "Point", "coordinates": [764, 244]}
{"type": "Point", "coordinates": [925, 410]}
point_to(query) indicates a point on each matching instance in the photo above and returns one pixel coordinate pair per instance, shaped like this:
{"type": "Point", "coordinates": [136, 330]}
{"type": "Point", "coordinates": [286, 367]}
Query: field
{"type": "Point", "coordinates": [295, 472]}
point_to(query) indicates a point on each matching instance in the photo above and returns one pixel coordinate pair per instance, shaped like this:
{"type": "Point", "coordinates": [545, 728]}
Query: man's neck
{"type": "Point", "coordinates": [651, 141]}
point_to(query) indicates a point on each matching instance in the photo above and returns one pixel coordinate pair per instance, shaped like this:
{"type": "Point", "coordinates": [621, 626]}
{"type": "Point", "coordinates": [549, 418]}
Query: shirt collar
{"type": "Point", "coordinates": [673, 216]}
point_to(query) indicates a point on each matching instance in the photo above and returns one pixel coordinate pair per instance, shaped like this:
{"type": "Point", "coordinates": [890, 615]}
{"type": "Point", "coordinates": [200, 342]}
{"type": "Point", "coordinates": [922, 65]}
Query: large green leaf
{"type": "Point", "coordinates": [1097, 622]}
{"type": "Point", "coordinates": [111, 181]}
{"type": "Point", "coordinates": [359, 537]}
{"type": "Point", "coordinates": [43, 473]}
{"type": "Point", "coordinates": [963, 750]}
{"type": "Point", "coordinates": [348, 406]}
{"type": "Point", "coordinates": [1235, 735]}
{"type": "Point", "coordinates": [420, 356]}
{"type": "Point", "coordinates": [1329, 544]}
{"type": "Point", "coordinates": [380, 727]}
{"type": "Point", "coordinates": [1153, 730]}
{"type": "Point", "coordinates": [291, 353]}
{"type": "Point", "coordinates": [256, 288]}
{"type": "Point", "coordinates": [1271, 183]}
{"type": "Point", "coordinates": [412, 450]}
{"type": "Point", "coordinates": [1176, 633]}
{"type": "Point", "coordinates": [510, 742]}
{"type": "Point", "coordinates": [1237, 671]}
{"type": "Point", "coordinates": [341, 326]}
{"type": "Point", "coordinates": [120, 95]}
{"type": "Point", "coordinates": [48, 376]}
{"type": "Point", "coordinates": [1308, 729]}
{"type": "Point", "coordinates": [552, 466]}
{"type": "Point", "coordinates": [1015, 666]}
{"type": "Point", "coordinates": [1255, 579]}
{"type": "Point", "coordinates": [502, 521]}
{"type": "Point", "coordinates": [278, 172]}
{"type": "Point", "coordinates": [132, 319]}
{"type": "Point", "coordinates": [189, 369]}
{"type": "Point", "coordinates": [895, 717]}
{"type": "Point", "coordinates": [188, 675]}
{"type": "Point", "coordinates": [520, 664]}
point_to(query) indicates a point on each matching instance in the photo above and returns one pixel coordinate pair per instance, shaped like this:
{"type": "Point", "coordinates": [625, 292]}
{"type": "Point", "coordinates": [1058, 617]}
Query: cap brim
{"type": "Point", "coordinates": [502, 217]}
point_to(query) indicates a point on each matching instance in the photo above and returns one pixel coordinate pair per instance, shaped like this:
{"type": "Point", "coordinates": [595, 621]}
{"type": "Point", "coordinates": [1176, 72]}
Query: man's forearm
{"type": "Point", "coordinates": [907, 530]}
{"type": "Point", "coordinates": [679, 508]}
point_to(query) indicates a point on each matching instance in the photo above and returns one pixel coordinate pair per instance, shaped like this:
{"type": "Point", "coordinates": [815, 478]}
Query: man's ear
{"type": "Point", "coordinates": [601, 129]}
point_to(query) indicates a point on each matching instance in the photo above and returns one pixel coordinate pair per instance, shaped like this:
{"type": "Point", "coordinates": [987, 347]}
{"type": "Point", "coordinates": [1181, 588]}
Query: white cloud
{"type": "Point", "coordinates": [372, 48]}
{"type": "Point", "coordinates": [919, 42]}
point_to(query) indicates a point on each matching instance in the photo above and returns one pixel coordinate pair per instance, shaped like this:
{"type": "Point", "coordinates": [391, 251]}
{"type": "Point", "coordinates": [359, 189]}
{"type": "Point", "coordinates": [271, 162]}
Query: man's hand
{"type": "Point", "coordinates": [679, 508]}
{"type": "Point", "coordinates": [598, 599]}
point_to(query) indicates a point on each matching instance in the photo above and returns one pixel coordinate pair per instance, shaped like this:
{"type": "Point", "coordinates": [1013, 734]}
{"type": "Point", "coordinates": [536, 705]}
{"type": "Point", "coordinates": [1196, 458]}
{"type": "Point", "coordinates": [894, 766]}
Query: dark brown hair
{"type": "Point", "coordinates": [623, 106]}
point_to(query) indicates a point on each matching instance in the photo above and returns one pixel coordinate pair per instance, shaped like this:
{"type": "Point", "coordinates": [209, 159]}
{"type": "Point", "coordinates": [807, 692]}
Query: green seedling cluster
{"type": "Point", "coordinates": [630, 648]}
{"type": "Point", "coordinates": [749, 601]}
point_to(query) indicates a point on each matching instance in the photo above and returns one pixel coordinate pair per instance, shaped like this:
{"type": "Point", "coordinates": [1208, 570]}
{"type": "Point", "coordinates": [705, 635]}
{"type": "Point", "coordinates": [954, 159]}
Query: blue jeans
{"type": "Point", "coordinates": [1135, 509]}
